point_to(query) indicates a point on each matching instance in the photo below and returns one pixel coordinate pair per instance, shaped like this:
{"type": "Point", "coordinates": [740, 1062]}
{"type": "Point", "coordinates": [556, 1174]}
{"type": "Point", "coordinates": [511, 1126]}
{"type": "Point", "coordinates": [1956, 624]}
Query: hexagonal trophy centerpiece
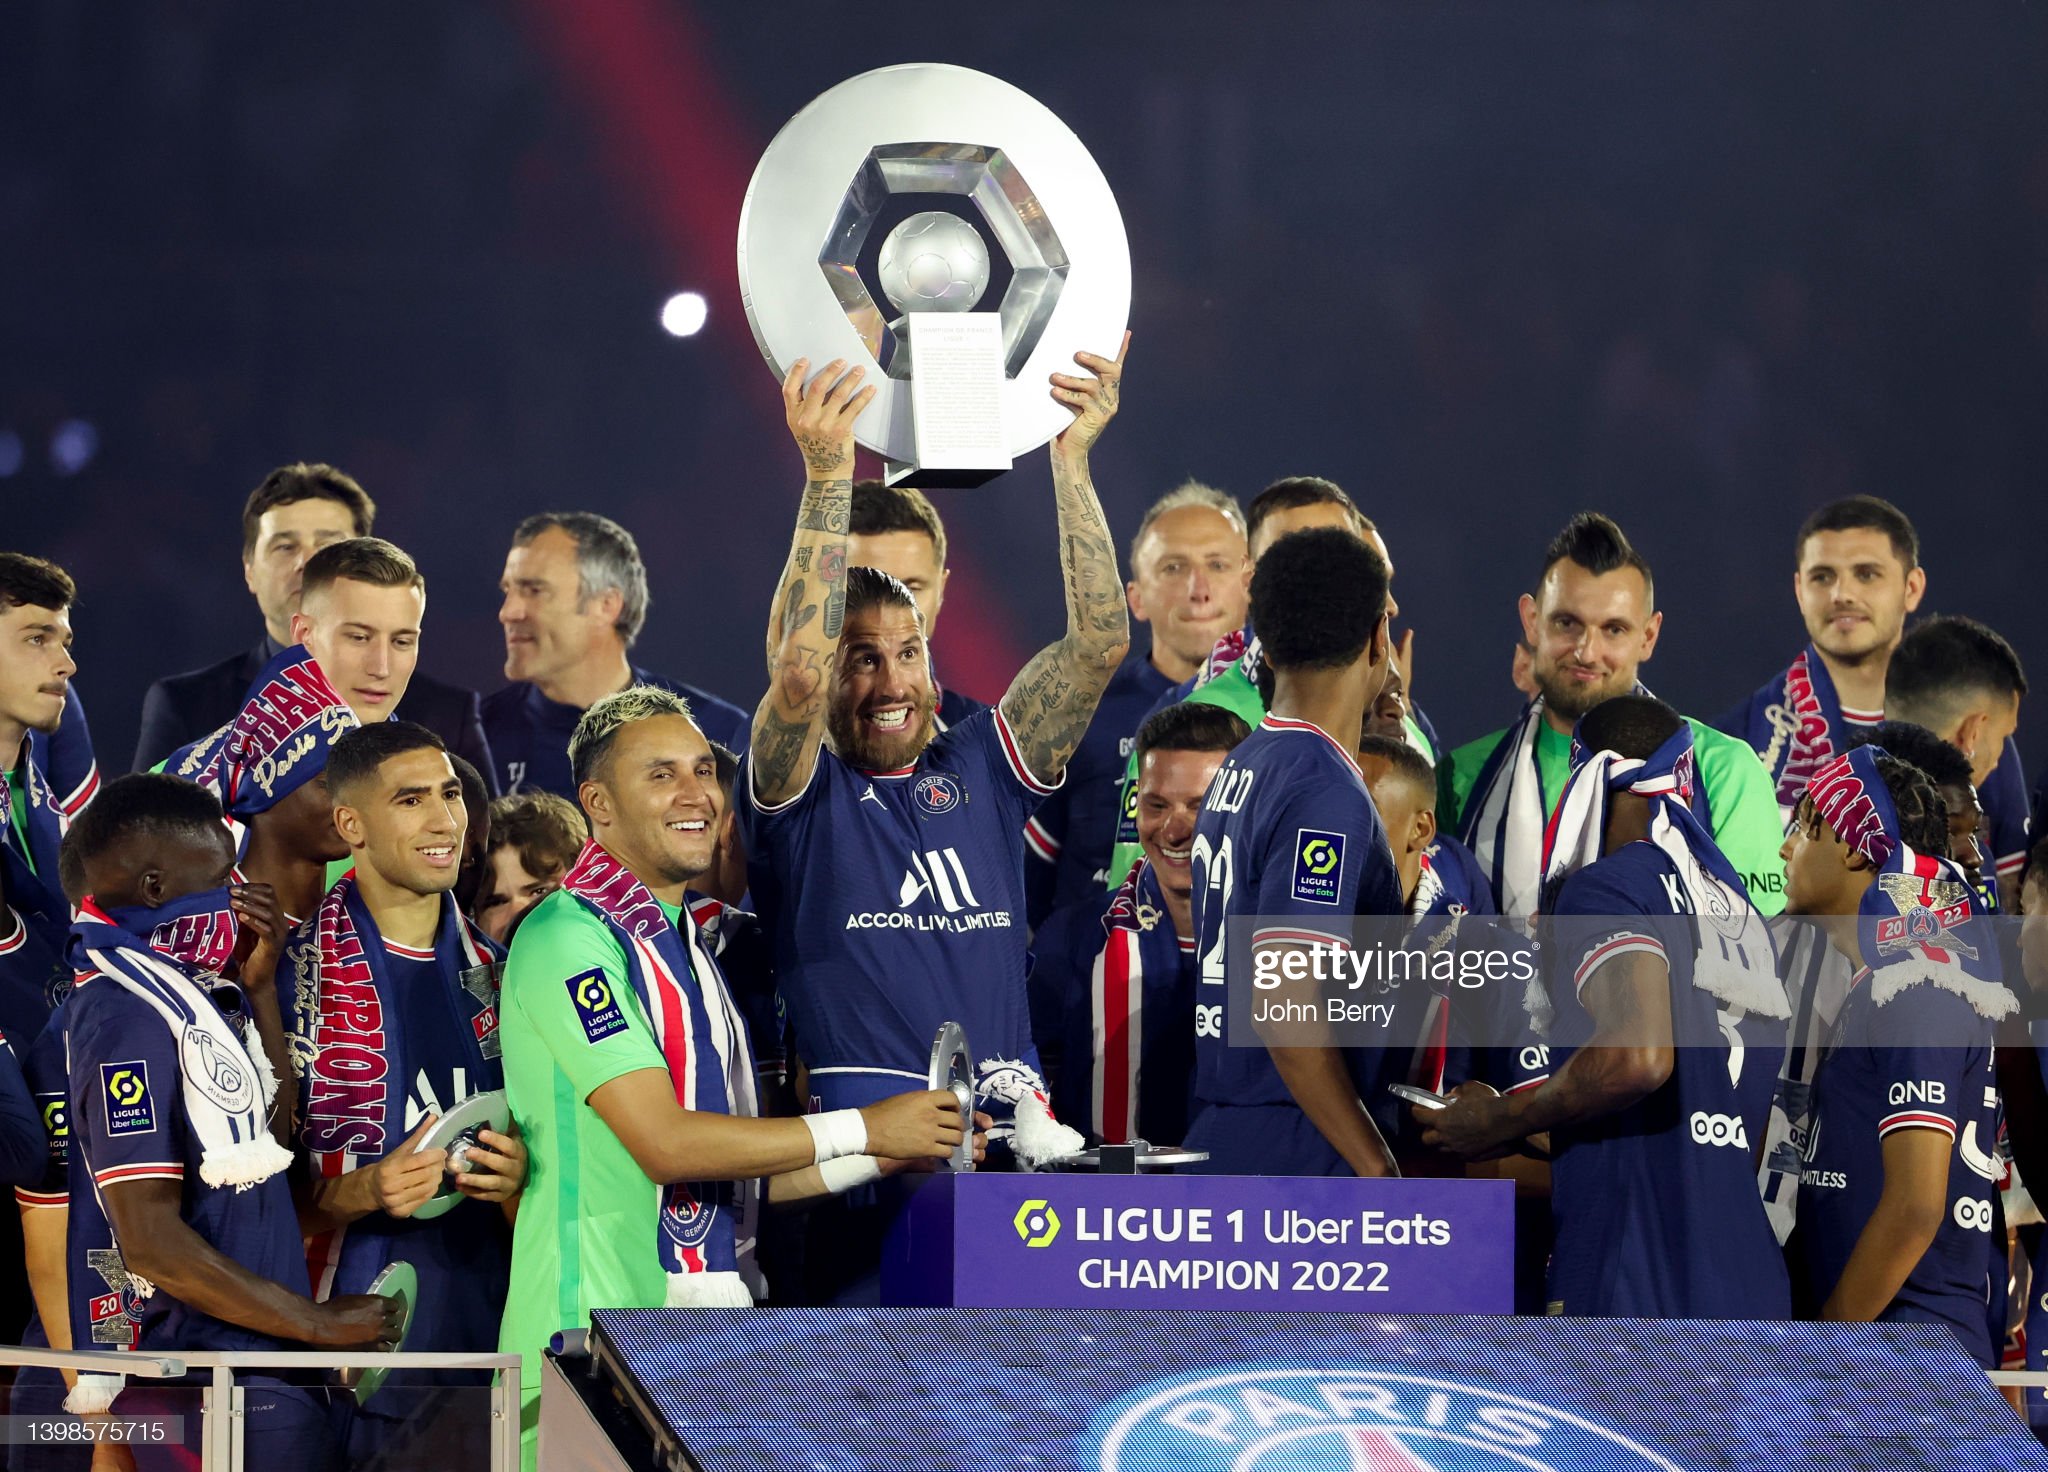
{"type": "Point", "coordinates": [947, 231]}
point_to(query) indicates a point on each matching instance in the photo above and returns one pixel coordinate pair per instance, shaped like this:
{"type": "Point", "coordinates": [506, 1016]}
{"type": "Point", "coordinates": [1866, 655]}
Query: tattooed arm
{"type": "Point", "coordinates": [1052, 700]}
{"type": "Point", "coordinates": [810, 601]}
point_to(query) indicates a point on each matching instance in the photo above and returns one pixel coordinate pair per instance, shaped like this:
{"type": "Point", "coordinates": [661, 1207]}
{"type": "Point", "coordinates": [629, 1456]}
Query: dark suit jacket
{"type": "Point", "coordinates": [180, 709]}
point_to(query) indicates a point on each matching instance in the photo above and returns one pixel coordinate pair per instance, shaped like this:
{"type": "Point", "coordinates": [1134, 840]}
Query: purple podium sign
{"type": "Point", "coordinates": [1417, 1246]}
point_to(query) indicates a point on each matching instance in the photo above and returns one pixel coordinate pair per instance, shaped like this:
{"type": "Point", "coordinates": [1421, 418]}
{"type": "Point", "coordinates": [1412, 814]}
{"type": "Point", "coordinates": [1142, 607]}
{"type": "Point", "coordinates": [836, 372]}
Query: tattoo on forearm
{"type": "Point", "coordinates": [825, 507]}
{"type": "Point", "coordinates": [777, 746]}
{"type": "Point", "coordinates": [822, 455]}
{"type": "Point", "coordinates": [1053, 699]}
{"type": "Point", "coordinates": [832, 573]}
{"type": "Point", "coordinates": [803, 632]}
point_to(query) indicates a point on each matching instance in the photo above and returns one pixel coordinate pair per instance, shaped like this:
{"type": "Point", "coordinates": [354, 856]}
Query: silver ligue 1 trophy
{"type": "Point", "coordinates": [946, 231]}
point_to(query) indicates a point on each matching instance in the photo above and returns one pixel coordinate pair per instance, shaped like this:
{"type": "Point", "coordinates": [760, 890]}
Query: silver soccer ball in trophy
{"type": "Point", "coordinates": [933, 262]}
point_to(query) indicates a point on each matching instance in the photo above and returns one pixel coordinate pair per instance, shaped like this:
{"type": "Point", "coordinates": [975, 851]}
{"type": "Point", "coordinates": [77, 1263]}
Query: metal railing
{"type": "Point", "coordinates": [221, 1406]}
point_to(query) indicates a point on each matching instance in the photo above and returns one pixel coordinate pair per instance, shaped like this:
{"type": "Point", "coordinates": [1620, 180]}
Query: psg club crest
{"type": "Point", "coordinates": [685, 1220]}
{"type": "Point", "coordinates": [1929, 910]}
{"type": "Point", "coordinates": [936, 793]}
{"type": "Point", "coordinates": [1293, 1420]}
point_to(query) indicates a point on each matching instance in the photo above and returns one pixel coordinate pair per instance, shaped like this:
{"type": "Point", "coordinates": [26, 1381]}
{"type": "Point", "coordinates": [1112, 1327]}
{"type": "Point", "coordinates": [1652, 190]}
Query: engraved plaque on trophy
{"type": "Point", "coordinates": [947, 232]}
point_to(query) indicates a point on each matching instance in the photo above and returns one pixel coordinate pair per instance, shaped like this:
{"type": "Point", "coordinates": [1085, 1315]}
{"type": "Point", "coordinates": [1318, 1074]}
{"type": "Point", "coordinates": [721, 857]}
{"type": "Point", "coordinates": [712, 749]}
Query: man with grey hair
{"type": "Point", "coordinates": [1189, 575]}
{"type": "Point", "coordinates": [575, 597]}
{"type": "Point", "coordinates": [628, 1069]}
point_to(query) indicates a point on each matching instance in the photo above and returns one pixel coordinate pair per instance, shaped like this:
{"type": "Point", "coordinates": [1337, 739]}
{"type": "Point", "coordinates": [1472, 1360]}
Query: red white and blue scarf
{"type": "Point", "coordinates": [1141, 950]}
{"type": "Point", "coordinates": [704, 1231]}
{"type": "Point", "coordinates": [278, 741]}
{"type": "Point", "coordinates": [1795, 725]}
{"type": "Point", "coordinates": [1736, 962]}
{"type": "Point", "coordinates": [1920, 919]}
{"type": "Point", "coordinates": [345, 1028]}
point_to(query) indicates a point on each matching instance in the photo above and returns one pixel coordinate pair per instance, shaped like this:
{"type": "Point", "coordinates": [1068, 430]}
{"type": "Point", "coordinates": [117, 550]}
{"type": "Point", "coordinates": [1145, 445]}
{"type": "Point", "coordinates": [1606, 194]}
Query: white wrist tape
{"type": "Point", "coordinates": [838, 1133]}
{"type": "Point", "coordinates": [848, 1171]}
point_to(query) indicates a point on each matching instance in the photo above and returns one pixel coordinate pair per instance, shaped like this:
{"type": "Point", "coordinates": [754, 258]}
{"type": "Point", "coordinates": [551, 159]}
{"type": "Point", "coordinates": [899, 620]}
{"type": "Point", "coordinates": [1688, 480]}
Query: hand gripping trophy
{"type": "Point", "coordinates": [946, 231]}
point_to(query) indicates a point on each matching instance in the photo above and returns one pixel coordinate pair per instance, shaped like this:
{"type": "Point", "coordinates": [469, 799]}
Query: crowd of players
{"type": "Point", "coordinates": [706, 953]}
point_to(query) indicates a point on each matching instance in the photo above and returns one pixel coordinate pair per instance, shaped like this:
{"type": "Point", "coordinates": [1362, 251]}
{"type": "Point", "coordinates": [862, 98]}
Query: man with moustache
{"type": "Point", "coordinates": [1592, 621]}
{"type": "Point", "coordinates": [887, 857]}
{"type": "Point", "coordinates": [628, 1070]}
{"type": "Point", "coordinates": [1189, 572]}
{"type": "Point", "coordinates": [897, 530]}
{"type": "Point", "coordinates": [845, 752]}
{"type": "Point", "coordinates": [575, 598]}
{"type": "Point", "coordinates": [1113, 980]}
{"type": "Point", "coordinates": [296, 512]}
{"type": "Point", "coordinates": [389, 982]}
{"type": "Point", "coordinates": [1669, 1025]}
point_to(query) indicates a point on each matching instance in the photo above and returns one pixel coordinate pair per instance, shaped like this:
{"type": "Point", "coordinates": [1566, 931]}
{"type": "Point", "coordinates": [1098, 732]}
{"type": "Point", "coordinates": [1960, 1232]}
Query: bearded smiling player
{"type": "Point", "coordinates": [1592, 622]}
{"type": "Point", "coordinates": [390, 973]}
{"type": "Point", "coordinates": [890, 862]}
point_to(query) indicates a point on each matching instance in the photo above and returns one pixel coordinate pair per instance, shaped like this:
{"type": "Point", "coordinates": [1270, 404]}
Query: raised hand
{"type": "Point", "coordinates": [1093, 399]}
{"type": "Point", "coordinates": [820, 415]}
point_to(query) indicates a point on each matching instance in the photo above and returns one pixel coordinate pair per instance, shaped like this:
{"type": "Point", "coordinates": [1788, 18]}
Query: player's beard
{"type": "Point", "coordinates": [1571, 699]}
{"type": "Point", "coordinates": [854, 740]}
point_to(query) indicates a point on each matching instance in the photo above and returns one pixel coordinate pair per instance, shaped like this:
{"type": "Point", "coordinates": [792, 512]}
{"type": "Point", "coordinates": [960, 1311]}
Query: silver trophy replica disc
{"type": "Point", "coordinates": [952, 1067]}
{"type": "Point", "coordinates": [456, 1131]}
{"type": "Point", "coordinates": [946, 232]}
{"type": "Point", "coordinates": [400, 1281]}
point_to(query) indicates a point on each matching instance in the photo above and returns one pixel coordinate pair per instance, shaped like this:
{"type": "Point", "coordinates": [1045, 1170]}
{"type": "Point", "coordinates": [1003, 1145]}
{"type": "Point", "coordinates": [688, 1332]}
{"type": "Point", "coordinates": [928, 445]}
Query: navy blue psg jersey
{"type": "Point", "coordinates": [1111, 989]}
{"type": "Point", "coordinates": [1289, 832]}
{"type": "Point", "coordinates": [1657, 1209]}
{"type": "Point", "coordinates": [122, 1053]}
{"type": "Point", "coordinates": [529, 734]}
{"type": "Point", "coordinates": [1921, 1059]}
{"type": "Point", "coordinates": [1069, 840]}
{"type": "Point", "coordinates": [897, 903]}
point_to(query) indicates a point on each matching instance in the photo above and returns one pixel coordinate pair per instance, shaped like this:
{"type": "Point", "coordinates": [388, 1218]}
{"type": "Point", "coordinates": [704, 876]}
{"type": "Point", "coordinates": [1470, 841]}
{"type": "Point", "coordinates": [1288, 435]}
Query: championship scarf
{"type": "Point", "coordinates": [1920, 919]}
{"type": "Point", "coordinates": [1735, 961]}
{"type": "Point", "coordinates": [1141, 947]}
{"type": "Point", "coordinates": [348, 1047]}
{"type": "Point", "coordinates": [704, 1231]}
{"type": "Point", "coordinates": [1504, 817]}
{"type": "Point", "coordinates": [226, 1080]}
{"type": "Point", "coordinates": [1795, 726]}
{"type": "Point", "coordinates": [278, 741]}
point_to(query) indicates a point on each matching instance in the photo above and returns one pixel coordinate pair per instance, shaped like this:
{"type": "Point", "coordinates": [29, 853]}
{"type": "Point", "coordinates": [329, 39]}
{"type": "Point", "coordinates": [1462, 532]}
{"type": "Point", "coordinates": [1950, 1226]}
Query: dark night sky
{"type": "Point", "coordinates": [1702, 268]}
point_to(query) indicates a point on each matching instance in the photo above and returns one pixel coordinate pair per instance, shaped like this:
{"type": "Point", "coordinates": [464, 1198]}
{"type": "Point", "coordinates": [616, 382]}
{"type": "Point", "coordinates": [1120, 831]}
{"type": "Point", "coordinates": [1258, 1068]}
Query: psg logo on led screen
{"type": "Point", "coordinates": [1335, 1420]}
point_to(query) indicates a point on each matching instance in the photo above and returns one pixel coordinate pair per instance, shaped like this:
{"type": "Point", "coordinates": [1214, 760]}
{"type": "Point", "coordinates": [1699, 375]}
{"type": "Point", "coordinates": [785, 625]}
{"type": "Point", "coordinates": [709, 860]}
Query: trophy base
{"type": "Point", "coordinates": [930, 478]}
